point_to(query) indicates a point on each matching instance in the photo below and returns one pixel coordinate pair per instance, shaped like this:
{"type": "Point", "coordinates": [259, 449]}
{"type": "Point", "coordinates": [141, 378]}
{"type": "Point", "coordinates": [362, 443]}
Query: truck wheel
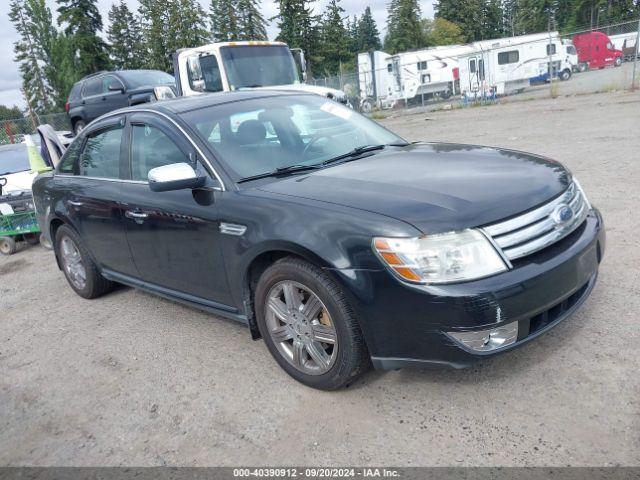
{"type": "Point", "coordinates": [618, 61]}
{"type": "Point", "coordinates": [308, 325]}
{"type": "Point", "coordinates": [82, 274]}
{"type": "Point", "coordinates": [78, 127]}
{"type": "Point", "coordinates": [446, 94]}
{"type": "Point", "coordinates": [367, 105]}
{"type": "Point", "coordinates": [583, 67]}
{"type": "Point", "coordinates": [7, 245]}
{"type": "Point", "coordinates": [565, 75]}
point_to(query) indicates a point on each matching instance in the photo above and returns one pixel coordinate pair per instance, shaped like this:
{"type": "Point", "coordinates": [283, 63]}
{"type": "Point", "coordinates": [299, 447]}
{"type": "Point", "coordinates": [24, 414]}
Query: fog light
{"type": "Point", "coordinates": [487, 340]}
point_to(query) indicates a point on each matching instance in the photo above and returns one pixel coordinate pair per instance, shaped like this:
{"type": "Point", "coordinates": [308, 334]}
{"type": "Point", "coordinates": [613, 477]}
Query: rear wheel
{"type": "Point", "coordinates": [7, 245]}
{"type": "Point", "coordinates": [618, 61]}
{"type": "Point", "coordinates": [79, 126]}
{"type": "Point", "coordinates": [565, 74]}
{"type": "Point", "coordinates": [583, 67]}
{"type": "Point", "coordinates": [82, 274]}
{"type": "Point", "coordinates": [309, 326]}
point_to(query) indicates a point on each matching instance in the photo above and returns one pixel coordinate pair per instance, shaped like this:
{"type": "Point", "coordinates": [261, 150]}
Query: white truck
{"type": "Point", "coordinates": [229, 66]}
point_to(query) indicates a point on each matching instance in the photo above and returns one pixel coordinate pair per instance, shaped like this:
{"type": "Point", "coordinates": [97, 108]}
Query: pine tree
{"type": "Point", "coordinates": [153, 17]}
{"type": "Point", "coordinates": [225, 22]}
{"type": "Point", "coordinates": [62, 69]}
{"type": "Point", "coordinates": [251, 24]}
{"type": "Point", "coordinates": [404, 29]}
{"type": "Point", "coordinates": [368, 34]}
{"type": "Point", "coordinates": [185, 26]}
{"type": "Point", "coordinates": [124, 37]}
{"type": "Point", "coordinates": [299, 28]}
{"type": "Point", "coordinates": [335, 39]}
{"type": "Point", "coordinates": [33, 22]}
{"type": "Point", "coordinates": [83, 22]}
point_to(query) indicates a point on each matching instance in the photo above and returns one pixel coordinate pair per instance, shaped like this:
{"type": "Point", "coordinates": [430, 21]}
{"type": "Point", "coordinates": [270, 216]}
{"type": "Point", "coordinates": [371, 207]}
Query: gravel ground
{"type": "Point", "coordinates": [132, 379]}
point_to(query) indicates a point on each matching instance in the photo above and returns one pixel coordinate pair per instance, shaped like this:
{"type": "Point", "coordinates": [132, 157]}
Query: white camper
{"type": "Point", "coordinates": [509, 65]}
{"type": "Point", "coordinates": [378, 86]}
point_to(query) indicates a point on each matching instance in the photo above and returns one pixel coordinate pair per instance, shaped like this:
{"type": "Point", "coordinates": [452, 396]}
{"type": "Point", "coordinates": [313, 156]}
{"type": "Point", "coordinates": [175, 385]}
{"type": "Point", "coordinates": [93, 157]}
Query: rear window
{"type": "Point", "coordinates": [146, 78]}
{"type": "Point", "coordinates": [75, 93]}
{"type": "Point", "coordinates": [14, 159]}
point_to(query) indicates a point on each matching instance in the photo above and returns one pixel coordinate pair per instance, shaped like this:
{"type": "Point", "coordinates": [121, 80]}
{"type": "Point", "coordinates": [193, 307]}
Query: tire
{"type": "Point", "coordinates": [349, 357]}
{"type": "Point", "coordinates": [583, 67]}
{"type": "Point", "coordinates": [565, 75]}
{"type": "Point", "coordinates": [7, 245]}
{"type": "Point", "coordinates": [618, 61]}
{"type": "Point", "coordinates": [94, 284]}
{"type": "Point", "coordinates": [367, 106]}
{"type": "Point", "coordinates": [78, 127]}
{"type": "Point", "coordinates": [32, 238]}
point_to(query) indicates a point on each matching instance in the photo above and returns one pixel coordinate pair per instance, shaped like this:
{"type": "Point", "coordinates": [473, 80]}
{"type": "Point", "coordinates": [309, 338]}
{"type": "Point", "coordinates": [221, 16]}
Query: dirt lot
{"type": "Point", "coordinates": [131, 379]}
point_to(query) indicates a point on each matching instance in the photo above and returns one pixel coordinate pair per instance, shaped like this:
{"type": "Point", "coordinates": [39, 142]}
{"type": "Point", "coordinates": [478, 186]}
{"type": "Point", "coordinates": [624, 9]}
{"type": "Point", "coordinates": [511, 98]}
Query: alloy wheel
{"type": "Point", "coordinates": [72, 263]}
{"type": "Point", "coordinates": [301, 328]}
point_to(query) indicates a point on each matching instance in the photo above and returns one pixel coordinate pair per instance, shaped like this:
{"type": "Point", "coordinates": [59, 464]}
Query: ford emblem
{"type": "Point", "coordinates": [562, 214]}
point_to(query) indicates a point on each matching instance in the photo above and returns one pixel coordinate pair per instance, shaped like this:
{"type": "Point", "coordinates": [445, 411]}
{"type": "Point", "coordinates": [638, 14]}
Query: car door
{"type": "Point", "coordinates": [92, 98]}
{"type": "Point", "coordinates": [174, 236]}
{"type": "Point", "coordinates": [90, 177]}
{"type": "Point", "coordinates": [113, 94]}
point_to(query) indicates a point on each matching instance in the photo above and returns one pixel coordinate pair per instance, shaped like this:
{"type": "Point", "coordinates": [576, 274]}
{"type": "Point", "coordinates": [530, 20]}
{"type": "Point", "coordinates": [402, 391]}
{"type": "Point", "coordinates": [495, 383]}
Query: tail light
{"type": "Point", "coordinates": [66, 107]}
{"type": "Point", "coordinates": [456, 73]}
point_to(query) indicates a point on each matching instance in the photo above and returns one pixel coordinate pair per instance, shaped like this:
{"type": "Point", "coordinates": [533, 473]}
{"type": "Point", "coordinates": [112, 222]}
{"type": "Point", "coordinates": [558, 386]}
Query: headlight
{"type": "Point", "coordinates": [163, 93]}
{"type": "Point", "coordinates": [440, 258]}
{"type": "Point", "coordinates": [584, 195]}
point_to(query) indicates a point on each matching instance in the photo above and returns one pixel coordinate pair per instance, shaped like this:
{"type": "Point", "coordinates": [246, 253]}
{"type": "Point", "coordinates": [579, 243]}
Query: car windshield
{"type": "Point", "coordinates": [259, 66]}
{"type": "Point", "coordinates": [14, 159]}
{"type": "Point", "coordinates": [258, 136]}
{"type": "Point", "coordinates": [147, 78]}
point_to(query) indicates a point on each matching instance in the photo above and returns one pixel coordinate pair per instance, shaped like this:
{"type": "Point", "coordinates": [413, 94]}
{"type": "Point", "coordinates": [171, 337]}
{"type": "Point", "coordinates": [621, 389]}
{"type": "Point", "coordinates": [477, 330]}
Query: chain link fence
{"type": "Point", "coordinates": [548, 64]}
{"type": "Point", "coordinates": [13, 131]}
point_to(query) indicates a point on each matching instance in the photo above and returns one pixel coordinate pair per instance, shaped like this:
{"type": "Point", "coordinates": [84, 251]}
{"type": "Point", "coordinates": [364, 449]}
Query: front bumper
{"type": "Point", "coordinates": [407, 325]}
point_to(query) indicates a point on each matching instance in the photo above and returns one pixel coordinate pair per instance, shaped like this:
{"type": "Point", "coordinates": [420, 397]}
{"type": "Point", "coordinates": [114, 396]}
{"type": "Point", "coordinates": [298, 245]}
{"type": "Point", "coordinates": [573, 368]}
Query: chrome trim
{"type": "Point", "coordinates": [539, 228]}
{"type": "Point", "coordinates": [116, 180]}
{"type": "Point", "coordinates": [232, 229]}
{"type": "Point", "coordinates": [167, 117]}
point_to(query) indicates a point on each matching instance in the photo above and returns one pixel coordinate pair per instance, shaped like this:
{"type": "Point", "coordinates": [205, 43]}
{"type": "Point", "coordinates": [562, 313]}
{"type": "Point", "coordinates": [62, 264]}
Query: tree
{"type": "Point", "coordinates": [335, 39]}
{"type": "Point", "coordinates": [153, 17]}
{"type": "Point", "coordinates": [478, 19]}
{"type": "Point", "coordinates": [251, 23]}
{"type": "Point", "coordinates": [299, 28]}
{"type": "Point", "coordinates": [10, 113]}
{"type": "Point", "coordinates": [62, 69]}
{"type": "Point", "coordinates": [33, 22]}
{"type": "Point", "coordinates": [186, 26]}
{"type": "Point", "coordinates": [404, 29]}
{"type": "Point", "coordinates": [442, 32]}
{"type": "Point", "coordinates": [83, 23]}
{"type": "Point", "coordinates": [368, 34]}
{"type": "Point", "coordinates": [225, 24]}
{"type": "Point", "coordinates": [124, 37]}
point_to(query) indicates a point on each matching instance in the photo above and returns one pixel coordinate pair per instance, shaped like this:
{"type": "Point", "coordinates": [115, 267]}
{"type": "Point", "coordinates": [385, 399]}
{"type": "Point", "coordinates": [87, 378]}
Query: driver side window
{"type": "Point", "coordinates": [151, 148]}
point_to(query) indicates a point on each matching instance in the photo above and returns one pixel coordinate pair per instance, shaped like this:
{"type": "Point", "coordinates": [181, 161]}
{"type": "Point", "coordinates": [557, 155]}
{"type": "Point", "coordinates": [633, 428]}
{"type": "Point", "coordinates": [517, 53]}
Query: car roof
{"type": "Point", "coordinates": [185, 104]}
{"type": "Point", "coordinates": [12, 146]}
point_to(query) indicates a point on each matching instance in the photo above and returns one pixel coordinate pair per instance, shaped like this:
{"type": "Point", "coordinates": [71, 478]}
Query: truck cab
{"type": "Point", "coordinates": [595, 50]}
{"type": "Point", "coordinates": [230, 66]}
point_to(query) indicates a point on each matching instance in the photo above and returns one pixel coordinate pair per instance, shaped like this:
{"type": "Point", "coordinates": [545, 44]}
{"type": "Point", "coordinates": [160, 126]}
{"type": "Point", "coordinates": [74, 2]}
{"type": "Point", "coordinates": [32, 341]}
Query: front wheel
{"type": "Point", "coordinates": [618, 61]}
{"type": "Point", "coordinates": [78, 127]}
{"type": "Point", "coordinates": [565, 75]}
{"type": "Point", "coordinates": [77, 265]}
{"type": "Point", "coordinates": [309, 326]}
{"type": "Point", "coordinates": [7, 245]}
{"type": "Point", "coordinates": [583, 67]}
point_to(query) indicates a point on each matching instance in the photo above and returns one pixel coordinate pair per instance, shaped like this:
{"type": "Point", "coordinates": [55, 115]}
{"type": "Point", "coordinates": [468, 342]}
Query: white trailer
{"type": "Point", "coordinates": [509, 65]}
{"type": "Point", "coordinates": [377, 83]}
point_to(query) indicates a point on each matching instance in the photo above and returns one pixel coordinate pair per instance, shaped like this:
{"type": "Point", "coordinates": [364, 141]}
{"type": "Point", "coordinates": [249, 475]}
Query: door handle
{"type": "Point", "coordinates": [135, 215]}
{"type": "Point", "coordinates": [75, 204]}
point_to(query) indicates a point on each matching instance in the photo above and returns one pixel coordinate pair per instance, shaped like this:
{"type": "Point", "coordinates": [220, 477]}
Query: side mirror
{"type": "Point", "coordinates": [177, 176]}
{"type": "Point", "coordinates": [116, 88]}
{"type": "Point", "coordinates": [300, 61]}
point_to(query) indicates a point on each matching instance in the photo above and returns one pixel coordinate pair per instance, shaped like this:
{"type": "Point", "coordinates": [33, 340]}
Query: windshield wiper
{"type": "Point", "coordinates": [280, 171]}
{"type": "Point", "coordinates": [360, 150]}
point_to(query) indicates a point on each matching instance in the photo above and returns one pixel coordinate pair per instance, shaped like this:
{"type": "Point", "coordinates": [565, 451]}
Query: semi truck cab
{"type": "Point", "coordinates": [230, 66]}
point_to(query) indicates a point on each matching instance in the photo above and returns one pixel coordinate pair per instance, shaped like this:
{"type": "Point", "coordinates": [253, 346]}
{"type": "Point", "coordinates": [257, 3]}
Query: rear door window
{"type": "Point", "coordinates": [93, 86]}
{"type": "Point", "coordinates": [101, 154]}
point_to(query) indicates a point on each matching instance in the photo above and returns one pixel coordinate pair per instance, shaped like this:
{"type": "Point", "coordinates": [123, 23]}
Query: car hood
{"type": "Point", "coordinates": [435, 187]}
{"type": "Point", "coordinates": [304, 87]}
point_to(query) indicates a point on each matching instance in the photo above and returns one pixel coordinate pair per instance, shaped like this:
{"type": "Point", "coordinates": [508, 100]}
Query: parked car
{"type": "Point", "coordinates": [595, 50]}
{"type": "Point", "coordinates": [104, 92]}
{"type": "Point", "coordinates": [332, 238]}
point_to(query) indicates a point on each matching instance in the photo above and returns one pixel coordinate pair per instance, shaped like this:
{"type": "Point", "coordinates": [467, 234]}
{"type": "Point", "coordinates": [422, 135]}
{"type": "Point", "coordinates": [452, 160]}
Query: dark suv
{"type": "Point", "coordinates": [103, 92]}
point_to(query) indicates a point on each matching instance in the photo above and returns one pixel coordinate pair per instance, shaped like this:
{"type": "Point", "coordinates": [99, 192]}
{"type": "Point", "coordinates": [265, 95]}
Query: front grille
{"type": "Point", "coordinates": [539, 228]}
{"type": "Point", "coordinates": [554, 313]}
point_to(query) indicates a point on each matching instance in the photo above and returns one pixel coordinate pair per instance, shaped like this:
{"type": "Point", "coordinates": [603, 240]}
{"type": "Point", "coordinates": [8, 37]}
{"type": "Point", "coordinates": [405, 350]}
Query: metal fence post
{"type": "Point", "coordinates": [634, 83]}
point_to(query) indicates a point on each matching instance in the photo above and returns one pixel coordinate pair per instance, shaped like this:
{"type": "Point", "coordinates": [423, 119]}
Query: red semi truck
{"type": "Point", "coordinates": [595, 50]}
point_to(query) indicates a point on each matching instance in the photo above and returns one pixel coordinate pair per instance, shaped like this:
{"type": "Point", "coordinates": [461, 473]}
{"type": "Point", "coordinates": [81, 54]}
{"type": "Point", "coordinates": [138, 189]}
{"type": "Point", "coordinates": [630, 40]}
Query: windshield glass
{"type": "Point", "coordinates": [571, 50]}
{"type": "Point", "coordinates": [13, 159]}
{"type": "Point", "coordinates": [258, 136]}
{"type": "Point", "coordinates": [147, 78]}
{"type": "Point", "coordinates": [259, 66]}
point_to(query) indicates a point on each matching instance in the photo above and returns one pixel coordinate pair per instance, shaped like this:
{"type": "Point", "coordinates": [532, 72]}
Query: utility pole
{"type": "Point", "coordinates": [634, 82]}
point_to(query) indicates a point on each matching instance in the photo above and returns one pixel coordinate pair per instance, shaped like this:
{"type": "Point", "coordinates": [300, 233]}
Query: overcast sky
{"type": "Point", "coordinates": [10, 77]}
